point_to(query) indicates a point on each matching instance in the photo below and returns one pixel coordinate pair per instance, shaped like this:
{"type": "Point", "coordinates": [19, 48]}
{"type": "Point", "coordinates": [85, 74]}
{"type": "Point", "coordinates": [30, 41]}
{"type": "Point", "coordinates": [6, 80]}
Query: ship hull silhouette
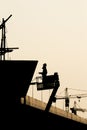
{"type": "Point", "coordinates": [15, 79]}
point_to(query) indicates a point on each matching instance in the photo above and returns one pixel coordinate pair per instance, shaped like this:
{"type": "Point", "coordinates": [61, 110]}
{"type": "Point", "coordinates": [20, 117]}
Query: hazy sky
{"type": "Point", "coordinates": [51, 31]}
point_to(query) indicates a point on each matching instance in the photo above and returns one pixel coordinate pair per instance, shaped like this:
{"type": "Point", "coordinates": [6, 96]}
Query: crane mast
{"type": "Point", "coordinates": [3, 48]}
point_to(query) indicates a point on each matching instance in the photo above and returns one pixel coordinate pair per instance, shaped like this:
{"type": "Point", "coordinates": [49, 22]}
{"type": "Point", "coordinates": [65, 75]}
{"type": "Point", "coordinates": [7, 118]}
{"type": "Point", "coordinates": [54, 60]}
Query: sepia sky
{"type": "Point", "coordinates": [52, 32]}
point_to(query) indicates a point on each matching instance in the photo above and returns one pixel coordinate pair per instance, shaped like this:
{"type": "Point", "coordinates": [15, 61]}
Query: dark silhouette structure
{"type": "Point", "coordinates": [56, 86]}
{"type": "Point", "coordinates": [15, 80]}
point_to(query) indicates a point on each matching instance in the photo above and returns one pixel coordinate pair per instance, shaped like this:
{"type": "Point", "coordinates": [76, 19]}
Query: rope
{"type": "Point", "coordinates": [77, 89]}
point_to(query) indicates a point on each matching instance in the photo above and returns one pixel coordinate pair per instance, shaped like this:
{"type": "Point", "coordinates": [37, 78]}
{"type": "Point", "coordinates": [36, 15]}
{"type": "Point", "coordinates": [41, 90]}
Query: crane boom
{"type": "Point", "coordinates": [67, 97]}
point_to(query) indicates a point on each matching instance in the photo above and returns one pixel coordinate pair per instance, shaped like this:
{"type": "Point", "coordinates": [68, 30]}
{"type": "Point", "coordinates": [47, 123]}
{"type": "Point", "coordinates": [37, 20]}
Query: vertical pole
{"type": "Point", "coordinates": [2, 44]}
{"type": "Point", "coordinates": [66, 100]}
{"type": "Point", "coordinates": [4, 39]}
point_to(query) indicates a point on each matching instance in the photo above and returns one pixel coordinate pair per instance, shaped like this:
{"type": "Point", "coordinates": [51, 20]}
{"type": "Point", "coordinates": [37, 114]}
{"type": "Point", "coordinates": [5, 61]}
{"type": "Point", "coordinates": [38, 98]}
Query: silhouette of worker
{"type": "Point", "coordinates": [44, 73]}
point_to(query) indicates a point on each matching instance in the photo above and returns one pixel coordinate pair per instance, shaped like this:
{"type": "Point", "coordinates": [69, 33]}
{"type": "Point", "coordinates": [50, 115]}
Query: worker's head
{"type": "Point", "coordinates": [44, 65]}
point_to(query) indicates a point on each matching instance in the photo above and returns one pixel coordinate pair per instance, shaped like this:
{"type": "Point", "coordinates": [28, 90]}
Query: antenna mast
{"type": "Point", "coordinates": [3, 49]}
